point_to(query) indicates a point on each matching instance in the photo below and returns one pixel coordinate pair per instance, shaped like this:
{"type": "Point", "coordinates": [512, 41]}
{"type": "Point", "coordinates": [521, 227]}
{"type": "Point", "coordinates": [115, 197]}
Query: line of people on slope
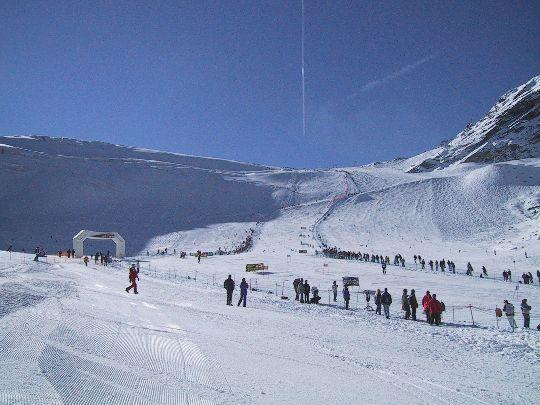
{"type": "Point", "coordinates": [436, 265]}
{"type": "Point", "coordinates": [69, 253]}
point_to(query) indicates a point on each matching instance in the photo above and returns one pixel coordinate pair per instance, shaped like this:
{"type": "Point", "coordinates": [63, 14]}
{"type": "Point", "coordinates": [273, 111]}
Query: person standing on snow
{"type": "Point", "coordinates": [435, 309]}
{"type": "Point", "coordinates": [425, 302]}
{"type": "Point", "coordinates": [414, 305]}
{"type": "Point", "coordinates": [229, 286]}
{"type": "Point", "coordinates": [508, 309]}
{"type": "Point", "coordinates": [383, 265]}
{"type": "Point", "coordinates": [295, 286]}
{"type": "Point", "coordinates": [334, 290]}
{"type": "Point", "coordinates": [85, 260]}
{"type": "Point", "coordinates": [346, 296]}
{"type": "Point", "coordinates": [378, 302]}
{"type": "Point", "coordinates": [301, 290]}
{"type": "Point", "coordinates": [405, 306]}
{"type": "Point", "coordinates": [386, 300]}
{"type": "Point", "coordinates": [133, 277]}
{"type": "Point", "coordinates": [526, 311]}
{"type": "Point", "coordinates": [243, 292]}
{"type": "Point", "coordinates": [307, 289]}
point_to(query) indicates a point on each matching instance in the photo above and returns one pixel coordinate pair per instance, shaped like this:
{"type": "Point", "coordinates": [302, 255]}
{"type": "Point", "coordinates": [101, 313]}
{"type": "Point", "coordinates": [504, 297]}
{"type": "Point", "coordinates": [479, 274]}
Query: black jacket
{"type": "Point", "coordinates": [378, 299]}
{"type": "Point", "coordinates": [229, 284]}
{"type": "Point", "coordinates": [386, 298]}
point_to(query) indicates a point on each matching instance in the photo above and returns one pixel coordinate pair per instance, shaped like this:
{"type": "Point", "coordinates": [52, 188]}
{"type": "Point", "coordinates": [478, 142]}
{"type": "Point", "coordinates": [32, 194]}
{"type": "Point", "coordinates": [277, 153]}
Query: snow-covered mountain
{"type": "Point", "coordinates": [54, 187]}
{"type": "Point", "coordinates": [509, 131]}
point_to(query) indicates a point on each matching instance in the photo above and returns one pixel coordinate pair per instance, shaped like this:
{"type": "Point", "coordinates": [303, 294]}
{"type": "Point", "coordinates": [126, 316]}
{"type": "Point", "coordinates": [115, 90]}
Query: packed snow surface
{"type": "Point", "coordinates": [71, 334]}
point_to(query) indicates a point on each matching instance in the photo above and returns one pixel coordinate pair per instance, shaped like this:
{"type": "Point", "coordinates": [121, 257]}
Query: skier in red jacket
{"type": "Point", "coordinates": [133, 277]}
{"type": "Point", "coordinates": [435, 309]}
{"type": "Point", "coordinates": [425, 302]}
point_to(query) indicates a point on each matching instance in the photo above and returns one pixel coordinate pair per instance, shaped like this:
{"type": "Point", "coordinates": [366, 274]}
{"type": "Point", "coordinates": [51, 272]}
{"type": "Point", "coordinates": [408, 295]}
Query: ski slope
{"type": "Point", "coordinates": [71, 334]}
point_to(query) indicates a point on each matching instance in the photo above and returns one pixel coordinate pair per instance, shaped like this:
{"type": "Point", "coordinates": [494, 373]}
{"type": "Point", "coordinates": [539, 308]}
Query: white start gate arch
{"type": "Point", "coordinates": [78, 241]}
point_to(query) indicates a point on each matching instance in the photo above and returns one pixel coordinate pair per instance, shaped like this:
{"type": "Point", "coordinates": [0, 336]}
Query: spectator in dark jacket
{"type": "Point", "coordinates": [414, 304]}
{"type": "Point", "coordinates": [405, 306]}
{"type": "Point", "coordinates": [295, 285]}
{"type": "Point", "coordinates": [526, 311]}
{"type": "Point", "coordinates": [307, 289]}
{"type": "Point", "coordinates": [243, 292]}
{"type": "Point", "coordinates": [346, 296]}
{"type": "Point", "coordinates": [386, 300]}
{"type": "Point", "coordinates": [229, 286]}
{"type": "Point", "coordinates": [378, 302]}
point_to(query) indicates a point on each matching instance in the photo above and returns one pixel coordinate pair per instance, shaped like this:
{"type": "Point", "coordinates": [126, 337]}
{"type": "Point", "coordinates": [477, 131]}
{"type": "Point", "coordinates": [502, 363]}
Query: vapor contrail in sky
{"type": "Point", "coordinates": [398, 73]}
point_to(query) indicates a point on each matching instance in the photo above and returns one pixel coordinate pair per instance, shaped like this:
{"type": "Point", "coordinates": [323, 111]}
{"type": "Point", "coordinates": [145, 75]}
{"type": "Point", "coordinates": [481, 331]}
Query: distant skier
{"type": "Point", "coordinates": [383, 265]}
{"type": "Point", "coordinates": [526, 311]}
{"type": "Point", "coordinates": [386, 300]}
{"type": "Point", "coordinates": [378, 302]}
{"type": "Point", "coordinates": [199, 254]}
{"type": "Point", "coordinates": [346, 296]}
{"type": "Point", "coordinates": [334, 290]}
{"type": "Point", "coordinates": [133, 277]}
{"type": "Point", "coordinates": [85, 260]}
{"type": "Point", "coordinates": [538, 275]}
{"type": "Point", "coordinates": [243, 292]}
{"type": "Point", "coordinates": [414, 304]}
{"type": "Point", "coordinates": [229, 286]}
{"type": "Point", "coordinates": [405, 306]}
{"type": "Point", "coordinates": [508, 309]}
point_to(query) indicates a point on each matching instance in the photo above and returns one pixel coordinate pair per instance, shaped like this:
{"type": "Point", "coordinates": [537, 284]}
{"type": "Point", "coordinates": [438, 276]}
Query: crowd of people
{"type": "Point", "coordinates": [246, 244]}
{"type": "Point", "coordinates": [442, 265]}
{"type": "Point", "coordinates": [398, 260]}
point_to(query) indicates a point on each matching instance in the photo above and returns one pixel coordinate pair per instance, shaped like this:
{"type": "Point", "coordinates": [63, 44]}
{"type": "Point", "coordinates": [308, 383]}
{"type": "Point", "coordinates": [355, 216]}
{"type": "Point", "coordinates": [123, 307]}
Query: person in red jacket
{"type": "Point", "coordinates": [435, 309]}
{"type": "Point", "coordinates": [133, 277]}
{"type": "Point", "coordinates": [425, 302]}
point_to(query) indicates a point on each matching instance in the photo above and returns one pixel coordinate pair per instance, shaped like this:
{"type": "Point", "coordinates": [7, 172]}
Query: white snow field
{"type": "Point", "coordinates": [71, 334]}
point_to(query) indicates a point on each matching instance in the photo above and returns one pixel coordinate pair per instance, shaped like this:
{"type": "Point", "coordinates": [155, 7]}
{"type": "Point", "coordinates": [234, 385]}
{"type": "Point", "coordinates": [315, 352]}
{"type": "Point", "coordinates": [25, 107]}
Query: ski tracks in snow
{"type": "Point", "coordinates": [54, 352]}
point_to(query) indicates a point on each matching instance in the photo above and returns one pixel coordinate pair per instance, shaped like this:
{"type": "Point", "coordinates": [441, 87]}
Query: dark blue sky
{"type": "Point", "coordinates": [223, 78]}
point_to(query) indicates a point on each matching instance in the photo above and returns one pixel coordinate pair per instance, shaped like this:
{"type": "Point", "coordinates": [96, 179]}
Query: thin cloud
{"type": "Point", "coordinates": [398, 73]}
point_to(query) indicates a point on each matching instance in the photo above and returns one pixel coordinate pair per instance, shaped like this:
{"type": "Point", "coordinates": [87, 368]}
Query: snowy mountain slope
{"type": "Point", "coordinates": [473, 208]}
{"type": "Point", "coordinates": [52, 191]}
{"type": "Point", "coordinates": [55, 186]}
{"type": "Point", "coordinates": [509, 131]}
{"type": "Point", "coordinates": [66, 147]}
